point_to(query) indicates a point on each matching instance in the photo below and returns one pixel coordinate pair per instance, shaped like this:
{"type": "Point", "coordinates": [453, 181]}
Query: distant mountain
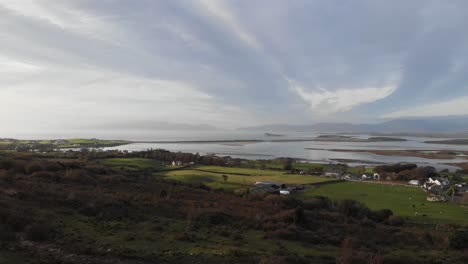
{"type": "Point", "coordinates": [148, 125]}
{"type": "Point", "coordinates": [429, 125]}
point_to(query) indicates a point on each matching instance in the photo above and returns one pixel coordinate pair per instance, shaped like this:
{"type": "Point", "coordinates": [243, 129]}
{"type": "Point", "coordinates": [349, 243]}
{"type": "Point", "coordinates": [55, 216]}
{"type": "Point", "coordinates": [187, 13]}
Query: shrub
{"type": "Point", "coordinates": [459, 239]}
{"type": "Point", "coordinates": [38, 232]}
{"type": "Point", "coordinates": [353, 208]}
{"type": "Point", "coordinates": [6, 233]}
{"type": "Point", "coordinates": [16, 219]}
{"type": "Point", "coordinates": [7, 176]}
{"type": "Point", "coordinates": [318, 202]}
{"type": "Point", "coordinates": [288, 233]}
{"type": "Point", "coordinates": [20, 166]}
{"type": "Point", "coordinates": [215, 218]}
{"type": "Point", "coordinates": [79, 176]}
{"type": "Point", "coordinates": [43, 174]}
{"type": "Point", "coordinates": [395, 220]}
{"type": "Point", "coordinates": [53, 166]}
{"type": "Point", "coordinates": [6, 164]}
{"type": "Point", "coordinates": [33, 167]}
{"type": "Point", "coordinates": [381, 215]}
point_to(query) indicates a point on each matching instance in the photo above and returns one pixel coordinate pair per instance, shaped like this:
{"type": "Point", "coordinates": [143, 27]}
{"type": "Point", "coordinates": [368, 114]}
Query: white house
{"type": "Point", "coordinates": [365, 177]}
{"type": "Point", "coordinates": [376, 176]}
{"type": "Point", "coordinates": [413, 182]}
{"type": "Point", "coordinates": [177, 163]}
{"type": "Point", "coordinates": [439, 181]}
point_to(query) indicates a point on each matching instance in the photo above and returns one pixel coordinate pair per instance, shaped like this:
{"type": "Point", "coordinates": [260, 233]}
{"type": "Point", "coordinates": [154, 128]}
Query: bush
{"type": "Point", "coordinates": [14, 218]}
{"type": "Point", "coordinates": [33, 167]}
{"type": "Point", "coordinates": [20, 166]}
{"type": "Point", "coordinates": [38, 232]}
{"type": "Point", "coordinates": [6, 164]}
{"type": "Point", "coordinates": [395, 220]}
{"type": "Point", "coordinates": [6, 233]}
{"type": "Point", "coordinates": [459, 239]}
{"type": "Point", "coordinates": [53, 166]}
{"type": "Point", "coordinates": [44, 175]}
{"type": "Point", "coordinates": [318, 202]}
{"type": "Point", "coordinates": [216, 218]}
{"type": "Point", "coordinates": [7, 176]}
{"type": "Point", "coordinates": [79, 176]}
{"type": "Point", "coordinates": [353, 209]}
{"type": "Point", "coordinates": [381, 215]}
{"type": "Point", "coordinates": [288, 233]}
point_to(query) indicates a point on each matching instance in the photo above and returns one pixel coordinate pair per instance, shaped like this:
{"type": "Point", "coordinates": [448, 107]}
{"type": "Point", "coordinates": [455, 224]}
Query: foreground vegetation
{"type": "Point", "coordinates": [114, 207]}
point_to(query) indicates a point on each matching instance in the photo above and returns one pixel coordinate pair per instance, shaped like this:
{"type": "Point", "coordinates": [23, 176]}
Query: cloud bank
{"type": "Point", "coordinates": [86, 63]}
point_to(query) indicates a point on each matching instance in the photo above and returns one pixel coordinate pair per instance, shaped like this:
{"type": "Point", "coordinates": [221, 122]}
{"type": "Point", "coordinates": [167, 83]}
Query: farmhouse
{"type": "Point", "coordinates": [177, 163]}
{"type": "Point", "coordinates": [414, 182]}
{"type": "Point", "coordinates": [438, 182]}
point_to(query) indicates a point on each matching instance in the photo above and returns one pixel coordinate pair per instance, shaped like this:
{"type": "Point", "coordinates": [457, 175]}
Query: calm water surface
{"type": "Point", "coordinates": [321, 152]}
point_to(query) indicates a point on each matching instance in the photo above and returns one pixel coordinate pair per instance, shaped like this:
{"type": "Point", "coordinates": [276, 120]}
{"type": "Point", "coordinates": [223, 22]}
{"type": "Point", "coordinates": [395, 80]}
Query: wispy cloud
{"type": "Point", "coordinates": [323, 101]}
{"type": "Point", "coordinates": [62, 14]}
{"type": "Point", "coordinates": [220, 10]}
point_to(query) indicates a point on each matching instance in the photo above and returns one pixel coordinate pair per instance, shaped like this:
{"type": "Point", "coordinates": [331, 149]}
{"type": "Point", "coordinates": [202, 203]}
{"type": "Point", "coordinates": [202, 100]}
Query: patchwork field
{"type": "Point", "coordinates": [212, 176]}
{"type": "Point", "coordinates": [403, 201]}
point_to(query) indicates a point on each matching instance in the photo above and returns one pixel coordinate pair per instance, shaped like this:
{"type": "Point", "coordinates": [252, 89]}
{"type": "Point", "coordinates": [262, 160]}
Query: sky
{"type": "Point", "coordinates": [86, 64]}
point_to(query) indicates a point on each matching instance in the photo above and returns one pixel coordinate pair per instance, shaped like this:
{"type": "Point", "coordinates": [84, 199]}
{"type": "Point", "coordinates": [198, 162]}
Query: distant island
{"type": "Point", "coordinates": [272, 135]}
{"type": "Point", "coordinates": [449, 142]}
{"type": "Point", "coordinates": [340, 138]}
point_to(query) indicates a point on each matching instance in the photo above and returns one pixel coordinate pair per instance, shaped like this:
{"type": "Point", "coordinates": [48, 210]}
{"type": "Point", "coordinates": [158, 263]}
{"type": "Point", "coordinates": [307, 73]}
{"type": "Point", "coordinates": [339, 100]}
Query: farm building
{"type": "Point", "coordinates": [414, 182]}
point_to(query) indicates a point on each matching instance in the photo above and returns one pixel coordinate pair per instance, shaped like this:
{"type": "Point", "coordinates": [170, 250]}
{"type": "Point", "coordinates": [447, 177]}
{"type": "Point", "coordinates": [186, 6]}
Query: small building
{"type": "Point", "coordinates": [439, 181]}
{"type": "Point", "coordinates": [177, 163]}
{"type": "Point", "coordinates": [376, 176]}
{"type": "Point", "coordinates": [365, 177]}
{"type": "Point", "coordinates": [414, 182]}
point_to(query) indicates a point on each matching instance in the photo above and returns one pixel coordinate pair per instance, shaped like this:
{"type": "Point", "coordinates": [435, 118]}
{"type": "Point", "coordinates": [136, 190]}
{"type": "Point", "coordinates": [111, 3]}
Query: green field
{"type": "Point", "coordinates": [212, 177]}
{"type": "Point", "coordinates": [134, 163]}
{"type": "Point", "coordinates": [399, 199]}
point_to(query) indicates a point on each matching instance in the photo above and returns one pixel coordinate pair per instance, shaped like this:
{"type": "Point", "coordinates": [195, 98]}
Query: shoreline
{"type": "Point", "coordinates": [425, 153]}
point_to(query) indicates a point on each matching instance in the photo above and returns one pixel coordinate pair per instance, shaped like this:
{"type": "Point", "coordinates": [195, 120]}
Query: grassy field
{"type": "Point", "coordinates": [212, 177]}
{"type": "Point", "coordinates": [403, 201]}
{"type": "Point", "coordinates": [134, 163]}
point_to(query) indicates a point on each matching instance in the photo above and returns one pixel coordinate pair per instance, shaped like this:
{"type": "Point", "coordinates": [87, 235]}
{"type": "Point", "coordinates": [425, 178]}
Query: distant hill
{"type": "Point", "coordinates": [158, 125]}
{"type": "Point", "coordinates": [431, 125]}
